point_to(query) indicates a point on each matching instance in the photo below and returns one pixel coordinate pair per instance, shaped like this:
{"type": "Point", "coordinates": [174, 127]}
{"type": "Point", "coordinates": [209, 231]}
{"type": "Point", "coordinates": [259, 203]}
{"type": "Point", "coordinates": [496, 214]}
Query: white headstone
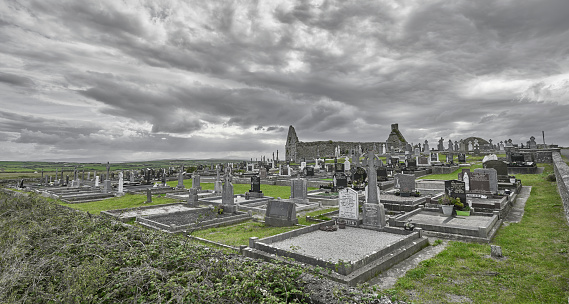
{"type": "Point", "coordinates": [466, 180]}
{"type": "Point", "coordinates": [96, 181]}
{"type": "Point", "coordinates": [348, 203]}
{"type": "Point", "coordinates": [121, 183]}
{"type": "Point", "coordinates": [347, 165]}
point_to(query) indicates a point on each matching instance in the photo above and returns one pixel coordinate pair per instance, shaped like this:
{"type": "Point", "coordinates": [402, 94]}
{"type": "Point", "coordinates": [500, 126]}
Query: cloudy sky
{"type": "Point", "coordinates": [127, 80]}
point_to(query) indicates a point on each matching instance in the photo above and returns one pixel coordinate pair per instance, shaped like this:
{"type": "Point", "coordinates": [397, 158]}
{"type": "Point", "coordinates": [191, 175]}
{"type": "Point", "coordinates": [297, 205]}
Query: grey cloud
{"type": "Point", "coordinates": [16, 80]}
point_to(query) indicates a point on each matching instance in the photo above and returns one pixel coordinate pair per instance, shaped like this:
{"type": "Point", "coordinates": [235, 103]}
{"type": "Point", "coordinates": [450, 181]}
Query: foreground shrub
{"type": "Point", "coordinates": [49, 253]}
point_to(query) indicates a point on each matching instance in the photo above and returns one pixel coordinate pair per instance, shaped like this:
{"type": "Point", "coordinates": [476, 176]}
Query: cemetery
{"type": "Point", "coordinates": [390, 206]}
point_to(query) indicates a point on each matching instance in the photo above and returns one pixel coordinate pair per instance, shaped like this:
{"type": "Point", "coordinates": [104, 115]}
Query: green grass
{"type": "Point", "coordinates": [239, 234]}
{"type": "Point", "coordinates": [316, 214]}
{"type": "Point", "coordinates": [268, 190]}
{"type": "Point", "coordinates": [126, 201]}
{"type": "Point", "coordinates": [535, 271]}
{"type": "Point", "coordinates": [454, 175]}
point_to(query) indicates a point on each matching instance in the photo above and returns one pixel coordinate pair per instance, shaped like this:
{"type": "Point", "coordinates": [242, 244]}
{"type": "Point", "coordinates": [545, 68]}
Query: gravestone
{"type": "Point", "coordinates": [285, 170]}
{"type": "Point", "coordinates": [196, 181]}
{"type": "Point", "coordinates": [518, 158]}
{"type": "Point", "coordinates": [373, 210]}
{"type": "Point", "coordinates": [422, 161]}
{"type": "Point", "coordinates": [218, 186]}
{"type": "Point", "coordinates": [381, 174]}
{"type": "Point", "coordinates": [394, 161]}
{"type": "Point", "coordinates": [493, 178]}
{"type": "Point", "coordinates": [347, 165]}
{"type": "Point", "coordinates": [148, 195]}
{"type": "Point", "coordinates": [341, 180]}
{"type": "Point", "coordinates": [132, 176]}
{"type": "Point", "coordinates": [461, 157]}
{"type": "Point", "coordinates": [298, 189]}
{"type": "Point", "coordinates": [180, 179]}
{"type": "Point", "coordinates": [455, 188]}
{"type": "Point", "coordinates": [405, 183]}
{"type": "Point", "coordinates": [121, 184]}
{"type": "Point", "coordinates": [309, 171]}
{"type": "Point", "coordinates": [339, 167]}
{"type": "Point", "coordinates": [263, 172]}
{"type": "Point", "coordinates": [227, 198]}
{"type": "Point", "coordinates": [479, 183]}
{"type": "Point", "coordinates": [426, 148]}
{"type": "Point", "coordinates": [434, 157]}
{"type": "Point", "coordinates": [107, 186]}
{"type": "Point", "coordinates": [411, 164]}
{"type": "Point", "coordinates": [348, 203]}
{"type": "Point", "coordinates": [500, 167]}
{"type": "Point", "coordinates": [255, 187]}
{"type": "Point", "coordinates": [193, 197]}
{"type": "Point", "coordinates": [96, 181]}
{"type": "Point", "coordinates": [280, 213]}
{"type": "Point", "coordinates": [450, 158]}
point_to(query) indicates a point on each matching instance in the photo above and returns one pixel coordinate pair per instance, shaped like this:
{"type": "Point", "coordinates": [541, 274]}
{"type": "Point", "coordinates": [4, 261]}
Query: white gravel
{"type": "Point", "coordinates": [350, 244]}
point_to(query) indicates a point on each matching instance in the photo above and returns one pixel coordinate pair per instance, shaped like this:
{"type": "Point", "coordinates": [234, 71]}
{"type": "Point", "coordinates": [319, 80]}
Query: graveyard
{"type": "Point", "coordinates": [348, 219]}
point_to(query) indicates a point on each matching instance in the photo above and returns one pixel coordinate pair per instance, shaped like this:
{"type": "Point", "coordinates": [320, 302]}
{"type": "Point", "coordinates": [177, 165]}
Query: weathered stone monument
{"type": "Point", "coordinates": [196, 181]}
{"type": "Point", "coordinates": [227, 198]}
{"type": "Point", "coordinates": [280, 213]}
{"type": "Point", "coordinates": [121, 184]}
{"type": "Point", "coordinates": [492, 178]}
{"type": "Point", "coordinates": [373, 210]}
{"type": "Point", "coordinates": [298, 189]}
{"type": "Point", "coordinates": [181, 178]}
{"type": "Point", "coordinates": [193, 197]}
{"type": "Point", "coordinates": [405, 183]}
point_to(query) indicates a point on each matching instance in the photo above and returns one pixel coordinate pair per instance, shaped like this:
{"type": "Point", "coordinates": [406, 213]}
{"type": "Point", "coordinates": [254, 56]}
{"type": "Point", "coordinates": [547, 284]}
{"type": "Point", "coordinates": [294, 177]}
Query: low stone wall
{"type": "Point", "coordinates": [562, 176]}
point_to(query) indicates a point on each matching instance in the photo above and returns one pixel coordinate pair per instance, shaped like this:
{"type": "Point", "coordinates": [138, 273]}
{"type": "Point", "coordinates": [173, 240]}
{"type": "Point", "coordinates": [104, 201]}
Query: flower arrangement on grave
{"type": "Point", "coordinates": [458, 205]}
{"type": "Point", "coordinates": [445, 200]}
{"type": "Point", "coordinates": [417, 194]}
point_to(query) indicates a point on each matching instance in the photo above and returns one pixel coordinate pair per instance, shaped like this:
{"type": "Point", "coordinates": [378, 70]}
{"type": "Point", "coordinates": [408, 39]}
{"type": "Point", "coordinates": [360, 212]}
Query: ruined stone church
{"type": "Point", "coordinates": [297, 150]}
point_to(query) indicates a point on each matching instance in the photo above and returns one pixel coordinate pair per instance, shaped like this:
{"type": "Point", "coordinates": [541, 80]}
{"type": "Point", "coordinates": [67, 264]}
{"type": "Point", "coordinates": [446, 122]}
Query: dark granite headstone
{"type": "Point", "coordinates": [498, 165]}
{"type": "Point", "coordinates": [381, 174]}
{"type": "Point", "coordinates": [339, 167]}
{"type": "Point", "coordinates": [423, 160]}
{"type": "Point", "coordinates": [455, 188]}
{"type": "Point", "coordinates": [280, 213]}
{"type": "Point", "coordinates": [309, 171]}
{"type": "Point", "coordinates": [461, 157]}
{"type": "Point", "coordinates": [518, 158]}
{"type": "Point", "coordinates": [341, 180]}
{"type": "Point", "coordinates": [480, 183]}
{"type": "Point", "coordinates": [255, 184]}
{"type": "Point", "coordinates": [493, 177]}
{"type": "Point", "coordinates": [148, 195]}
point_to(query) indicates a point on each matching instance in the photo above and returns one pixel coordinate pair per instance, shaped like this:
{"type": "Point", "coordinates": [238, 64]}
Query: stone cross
{"type": "Point", "coordinates": [108, 170]}
{"type": "Point", "coordinates": [372, 162]}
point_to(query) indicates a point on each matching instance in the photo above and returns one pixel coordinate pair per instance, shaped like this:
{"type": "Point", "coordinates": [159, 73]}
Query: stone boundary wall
{"type": "Point", "coordinates": [562, 176]}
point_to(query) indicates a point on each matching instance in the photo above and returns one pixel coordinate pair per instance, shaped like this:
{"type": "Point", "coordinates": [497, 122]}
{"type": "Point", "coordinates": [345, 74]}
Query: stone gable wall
{"type": "Point", "coordinates": [308, 150]}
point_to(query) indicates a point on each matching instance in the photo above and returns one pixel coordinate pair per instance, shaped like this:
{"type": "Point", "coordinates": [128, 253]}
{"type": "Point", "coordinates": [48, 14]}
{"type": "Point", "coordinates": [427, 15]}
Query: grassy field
{"type": "Point", "coordinates": [126, 201]}
{"type": "Point", "coordinates": [268, 190]}
{"type": "Point", "coordinates": [535, 269]}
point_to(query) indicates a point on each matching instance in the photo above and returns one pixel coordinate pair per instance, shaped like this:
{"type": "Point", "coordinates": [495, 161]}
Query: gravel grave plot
{"type": "Point", "coordinates": [350, 244]}
{"type": "Point", "coordinates": [472, 221]}
{"type": "Point", "coordinates": [397, 198]}
{"type": "Point", "coordinates": [188, 218]}
{"type": "Point", "coordinates": [154, 211]}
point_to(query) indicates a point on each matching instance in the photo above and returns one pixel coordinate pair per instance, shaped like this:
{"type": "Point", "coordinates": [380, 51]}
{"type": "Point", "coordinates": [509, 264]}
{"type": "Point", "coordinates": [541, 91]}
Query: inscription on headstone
{"type": "Point", "coordinates": [455, 188]}
{"type": "Point", "coordinates": [348, 203]}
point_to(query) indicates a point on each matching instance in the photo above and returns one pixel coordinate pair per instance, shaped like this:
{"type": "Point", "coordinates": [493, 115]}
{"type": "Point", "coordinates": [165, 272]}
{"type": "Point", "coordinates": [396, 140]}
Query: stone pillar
{"type": "Point", "coordinates": [373, 210]}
